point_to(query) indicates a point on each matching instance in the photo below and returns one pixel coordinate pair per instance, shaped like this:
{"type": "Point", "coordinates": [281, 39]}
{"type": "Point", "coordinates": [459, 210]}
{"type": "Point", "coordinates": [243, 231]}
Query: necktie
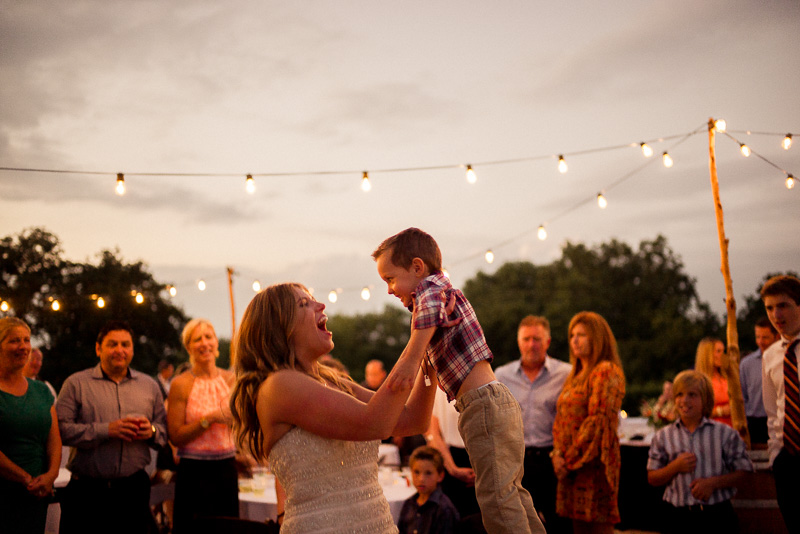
{"type": "Point", "coordinates": [791, 421]}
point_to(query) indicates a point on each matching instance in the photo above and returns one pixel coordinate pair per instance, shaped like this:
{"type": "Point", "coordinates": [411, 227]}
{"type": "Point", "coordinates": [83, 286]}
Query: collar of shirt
{"type": "Point", "coordinates": [703, 422]}
{"type": "Point", "coordinates": [436, 279]}
{"type": "Point", "coordinates": [99, 374]}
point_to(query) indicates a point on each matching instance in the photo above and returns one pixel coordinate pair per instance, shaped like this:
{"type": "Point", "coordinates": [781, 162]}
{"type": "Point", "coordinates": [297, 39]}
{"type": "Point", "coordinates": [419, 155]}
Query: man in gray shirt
{"type": "Point", "coordinates": [536, 380]}
{"type": "Point", "coordinates": [111, 415]}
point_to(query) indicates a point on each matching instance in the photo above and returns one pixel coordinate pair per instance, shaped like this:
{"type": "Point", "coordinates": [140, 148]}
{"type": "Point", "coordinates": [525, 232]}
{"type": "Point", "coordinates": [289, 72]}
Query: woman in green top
{"type": "Point", "coordinates": [30, 445]}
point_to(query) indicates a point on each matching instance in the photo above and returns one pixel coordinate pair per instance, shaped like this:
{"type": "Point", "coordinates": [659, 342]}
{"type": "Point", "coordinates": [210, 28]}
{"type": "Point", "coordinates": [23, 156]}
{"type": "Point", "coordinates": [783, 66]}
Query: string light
{"type": "Point", "coordinates": [365, 294]}
{"type": "Point", "coordinates": [790, 182]}
{"type": "Point", "coordinates": [471, 176]}
{"type": "Point", "coordinates": [250, 184]}
{"type": "Point", "coordinates": [101, 303]}
{"type": "Point", "coordinates": [489, 256]}
{"type": "Point", "coordinates": [333, 296]}
{"type": "Point", "coordinates": [120, 188]}
{"type": "Point", "coordinates": [601, 201]}
{"type": "Point", "coordinates": [562, 165]}
{"type": "Point", "coordinates": [541, 233]}
{"type": "Point", "coordinates": [667, 159]}
{"type": "Point", "coordinates": [745, 150]}
{"type": "Point", "coordinates": [445, 273]}
{"type": "Point", "coordinates": [720, 125]}
{"type": "Point", "coordinates": [256, 286]}
{"type": "Point", "coordinates": [4, 306]}
{"type": "Point", "coordinates": [201, 285]}
{"type": "Point", "coordinates": [787, 142]}
{"type": "Point", "coordinates": [55, 305]}
{"type": "Point", "coordinates": [139, 298]}
{"type": "Point", "coordinates": [646, 150]}
{"type": "Point", "coordinates": [172, 290]}
{"type": "Point", "coordinates": [365, 184]}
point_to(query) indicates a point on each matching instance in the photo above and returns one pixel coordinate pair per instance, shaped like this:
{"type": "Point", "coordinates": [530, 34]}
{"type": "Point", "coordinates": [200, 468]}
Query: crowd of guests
{"type": "Point", "coordinates": [529, 446]}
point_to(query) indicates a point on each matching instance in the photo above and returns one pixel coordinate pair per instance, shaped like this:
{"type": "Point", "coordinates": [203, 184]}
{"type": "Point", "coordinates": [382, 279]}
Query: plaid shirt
{"type": "Point", "coordinates": [453, 351]}
{"type": "Point", "coordinates": [718, 448]}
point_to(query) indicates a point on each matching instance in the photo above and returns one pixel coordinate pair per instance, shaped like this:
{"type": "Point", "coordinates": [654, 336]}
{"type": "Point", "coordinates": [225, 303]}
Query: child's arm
{"type": "Point", "coordinates": [702, 488]}
{"type": "Point", "coordinates": [685, 462]}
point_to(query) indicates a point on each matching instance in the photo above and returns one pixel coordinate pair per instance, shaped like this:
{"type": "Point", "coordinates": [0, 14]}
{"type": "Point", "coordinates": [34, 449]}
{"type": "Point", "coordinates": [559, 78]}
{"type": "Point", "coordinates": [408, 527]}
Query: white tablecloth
{"type": "Point", "coordinates": [396, 487]}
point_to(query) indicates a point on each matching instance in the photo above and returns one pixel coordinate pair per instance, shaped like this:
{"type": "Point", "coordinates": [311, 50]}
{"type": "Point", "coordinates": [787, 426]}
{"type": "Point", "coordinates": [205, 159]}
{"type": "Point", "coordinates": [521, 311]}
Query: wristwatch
{"type": "Point", "coordinates": [205, 423]}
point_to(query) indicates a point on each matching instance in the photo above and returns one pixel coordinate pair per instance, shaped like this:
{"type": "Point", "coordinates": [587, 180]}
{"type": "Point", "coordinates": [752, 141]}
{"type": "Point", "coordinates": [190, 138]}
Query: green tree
{"type": "Point", "coordinates": [644, 294]}
{"type": "Point", "coordinates": [360, 338]}
{"type": "Point", "coordinates": [35, 275]}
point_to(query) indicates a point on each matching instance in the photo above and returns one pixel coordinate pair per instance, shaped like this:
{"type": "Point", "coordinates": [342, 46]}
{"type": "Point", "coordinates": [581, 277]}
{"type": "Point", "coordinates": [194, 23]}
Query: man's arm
{"type": "Point", "coordinates": [683, 463]}
{"type": "Point", "coordinates": [702, 488]}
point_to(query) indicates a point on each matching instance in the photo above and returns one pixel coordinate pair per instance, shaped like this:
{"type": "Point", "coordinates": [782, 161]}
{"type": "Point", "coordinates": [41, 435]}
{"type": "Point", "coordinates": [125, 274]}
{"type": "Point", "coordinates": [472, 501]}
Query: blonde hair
{"type": "Point", "coordinates": [603, 344]}
{"type": "Point", "coordinates": [188, 330]}
{"type": "Point", "coordinates": [704, 359]}
{"type": "Point", "coordinates": [7, 323]}
{"type": "Point", "coordinates": [262, 346]}
{"type": "Point", "coordinates": [691, 379]}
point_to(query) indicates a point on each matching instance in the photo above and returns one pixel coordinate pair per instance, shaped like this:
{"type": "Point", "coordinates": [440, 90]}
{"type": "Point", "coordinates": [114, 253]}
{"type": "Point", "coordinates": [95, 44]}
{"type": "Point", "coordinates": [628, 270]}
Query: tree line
{"type": "Point", "coordinates": [644, 293]}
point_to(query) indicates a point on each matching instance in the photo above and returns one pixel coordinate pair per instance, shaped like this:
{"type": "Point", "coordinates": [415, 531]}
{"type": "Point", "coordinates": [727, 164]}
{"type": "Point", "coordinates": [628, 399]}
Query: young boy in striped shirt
{"type": "Point", "coordinates": [490, 421]}
{"type": "Point", "coordinates": [699, 460]}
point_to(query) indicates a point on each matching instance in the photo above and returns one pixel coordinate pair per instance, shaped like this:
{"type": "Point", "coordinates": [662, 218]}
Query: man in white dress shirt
{"type": "Point", "coordinates": [781, 297]}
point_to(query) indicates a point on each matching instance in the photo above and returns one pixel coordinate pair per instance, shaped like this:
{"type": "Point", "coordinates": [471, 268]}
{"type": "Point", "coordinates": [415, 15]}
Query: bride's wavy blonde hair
{"type": "Point", "coordinates": [262, 346]}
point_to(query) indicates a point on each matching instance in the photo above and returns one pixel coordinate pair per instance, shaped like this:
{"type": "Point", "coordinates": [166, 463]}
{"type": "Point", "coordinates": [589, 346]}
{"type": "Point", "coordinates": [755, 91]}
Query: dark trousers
{"type": "Point", "coordinates": [204, 488]}
{"type": "Point", "coordinates": [540, 481]}
{"type": "Point", "coordinates": [786, 470]}
{"type": "Point", "coordinates": [463, 496]}
{"type": "Point", "coordinates": [757, 427]}
{"type": "Point", "coordinates": [702, 519]}
{"type": "Point", "coordinates": [94, 505]}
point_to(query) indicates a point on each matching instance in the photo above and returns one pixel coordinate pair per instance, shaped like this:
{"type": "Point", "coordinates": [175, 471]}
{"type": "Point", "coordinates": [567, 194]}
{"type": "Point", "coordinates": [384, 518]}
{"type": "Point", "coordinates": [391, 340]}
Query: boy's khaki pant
{"type": "Point", "coordinates": [490, 422]}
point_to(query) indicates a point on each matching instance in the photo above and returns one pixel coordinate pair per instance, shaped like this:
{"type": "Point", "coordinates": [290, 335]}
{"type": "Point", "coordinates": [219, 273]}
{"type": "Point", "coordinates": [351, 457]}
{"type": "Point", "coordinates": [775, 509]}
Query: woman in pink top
{"type": "Point", "coordinates": [198, 421]}
{"type": "Point", "coordinates": [712, 361]}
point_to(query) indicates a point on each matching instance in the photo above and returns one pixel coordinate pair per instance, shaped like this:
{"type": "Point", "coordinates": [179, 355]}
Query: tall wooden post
{"type": "Point", "coordinates": [233, 309]}
{"type": "Point", "coordinates": [738, 416]}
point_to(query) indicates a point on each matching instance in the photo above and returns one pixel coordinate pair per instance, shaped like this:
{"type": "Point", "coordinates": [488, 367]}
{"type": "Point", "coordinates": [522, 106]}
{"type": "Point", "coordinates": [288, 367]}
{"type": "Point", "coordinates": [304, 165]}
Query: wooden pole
{"type": "Point", "coordinates": [734, 385]}
{"type": "Point", "coordinates": [233, 309]}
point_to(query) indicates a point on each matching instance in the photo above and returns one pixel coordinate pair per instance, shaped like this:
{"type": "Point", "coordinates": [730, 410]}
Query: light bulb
{"type": "Point", "coordinates": [365, 185]}
{"type": "Point", "coordinates": [201, 285]}
{"type": "Point", "coordinates": [172, 291]}
{"type": "Point", "coordinates": [365, 294]}
{"type": "Point", "coordinates": [471, 176]}
{"type": "Point", "coordinates": [332, 296]}
{"type": "Point", "coordinates": [541, 233]}
{"type": "Point", "coordinates": [790, 182]}
{"type": "Point", "coordinates": [120, 189]}
{"type": "Point", "coordinates": [256, 286]}
{"type": "Point", "coordinates": [250, 184]}
{"type": "Point", "coordinates": [562, 165]}
{"type": "Point", "coordinates": [646, 150]}
{"type": "Point", "coordinates": [601, 201]}
{"type": "Point", "coordinates": [489, 256]}
{"type": "Point", "coordinates": [139, 298]}
{"type": "Point", "coordinates": [787, 142]}
{"type": "Point", "coordinates": [101, 303]}
{"type": "Point", "coordinates": [4, 306]}
{"type": "Point", "coordinates": [720, 125]}
{"type": "Point", "coordinates": [445, 273]}
{"type": "Point", "coordinates": [745, 150]}
{"type": "Point", "coordinates": [55, 305]}
{"type": "Point", "coordinates": [667, 159]}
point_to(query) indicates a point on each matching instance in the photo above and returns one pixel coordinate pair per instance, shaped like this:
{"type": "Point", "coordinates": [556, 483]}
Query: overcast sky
{"type": "Point", "coordinates": [313, 88]}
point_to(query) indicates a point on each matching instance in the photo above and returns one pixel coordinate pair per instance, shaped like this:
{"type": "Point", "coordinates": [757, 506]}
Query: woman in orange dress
{"type": "Point", "coordinates": [712, 361]}
{"type": "Point", "coordinates": [586, 455]}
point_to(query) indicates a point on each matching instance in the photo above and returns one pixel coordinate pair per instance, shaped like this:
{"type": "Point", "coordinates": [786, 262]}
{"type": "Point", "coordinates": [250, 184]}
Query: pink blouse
{"type": "Point", "coordinates": [208, 395]}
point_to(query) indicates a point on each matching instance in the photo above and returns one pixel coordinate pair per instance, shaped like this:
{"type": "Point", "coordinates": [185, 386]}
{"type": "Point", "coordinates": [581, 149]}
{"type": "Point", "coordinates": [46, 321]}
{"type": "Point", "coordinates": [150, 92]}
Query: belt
{"type": "Point", "coordinates": [538, 451]}
{"type": "Point", "coordinates": [694, 508]}
{"type": "Point", "coordinates": [108, 483]}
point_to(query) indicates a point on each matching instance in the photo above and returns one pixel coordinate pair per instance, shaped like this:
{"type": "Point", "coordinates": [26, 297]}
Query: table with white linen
{"type": "Point", "coordinates": [396, 486]}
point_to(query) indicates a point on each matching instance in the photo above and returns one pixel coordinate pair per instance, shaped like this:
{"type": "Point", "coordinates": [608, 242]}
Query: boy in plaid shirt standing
{"type": "Point", "coordinates": [490, 421]}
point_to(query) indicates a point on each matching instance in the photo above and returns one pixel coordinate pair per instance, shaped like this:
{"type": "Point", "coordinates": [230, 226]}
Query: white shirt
{"type": "Point", "coordinates": [448, 419]}
{"type": "Point", "coordinates": [773, 394]}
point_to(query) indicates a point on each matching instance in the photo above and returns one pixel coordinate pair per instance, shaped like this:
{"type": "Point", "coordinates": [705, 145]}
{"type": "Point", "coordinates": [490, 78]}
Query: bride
{"type": "Point", "coordinates": [318, 429]}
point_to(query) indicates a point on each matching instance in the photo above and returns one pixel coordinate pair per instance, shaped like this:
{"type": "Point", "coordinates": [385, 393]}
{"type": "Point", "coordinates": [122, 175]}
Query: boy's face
{"type": "Point", "coordinates": [689, 404]}
{"type": "Point", "coordinates": [784, 313]}
{"type": "Point", "coordinates": [401, 282]}
{"type": "Point", "coordinates": [425, 476]}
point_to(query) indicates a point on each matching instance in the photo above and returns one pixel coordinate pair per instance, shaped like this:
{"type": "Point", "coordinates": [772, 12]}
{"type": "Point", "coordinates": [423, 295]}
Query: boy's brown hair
{"type": "Point", "coordinates": [427, 453]}
{"type": "Point", "coordinates": [409, 244]}
{"type": "Point", "coordinates": [782, 284]}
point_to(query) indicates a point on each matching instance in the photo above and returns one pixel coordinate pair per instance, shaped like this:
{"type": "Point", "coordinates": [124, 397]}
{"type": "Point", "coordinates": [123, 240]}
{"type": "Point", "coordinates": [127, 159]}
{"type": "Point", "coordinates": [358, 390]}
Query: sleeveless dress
{"type": "Point", "coordinates": [331, 485]}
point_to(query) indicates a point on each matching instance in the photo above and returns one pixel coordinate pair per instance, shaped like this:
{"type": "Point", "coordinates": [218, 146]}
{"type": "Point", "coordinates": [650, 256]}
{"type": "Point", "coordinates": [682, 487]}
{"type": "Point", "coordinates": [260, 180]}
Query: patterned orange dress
{"type": "Point", "coordinates": [585, 434]}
